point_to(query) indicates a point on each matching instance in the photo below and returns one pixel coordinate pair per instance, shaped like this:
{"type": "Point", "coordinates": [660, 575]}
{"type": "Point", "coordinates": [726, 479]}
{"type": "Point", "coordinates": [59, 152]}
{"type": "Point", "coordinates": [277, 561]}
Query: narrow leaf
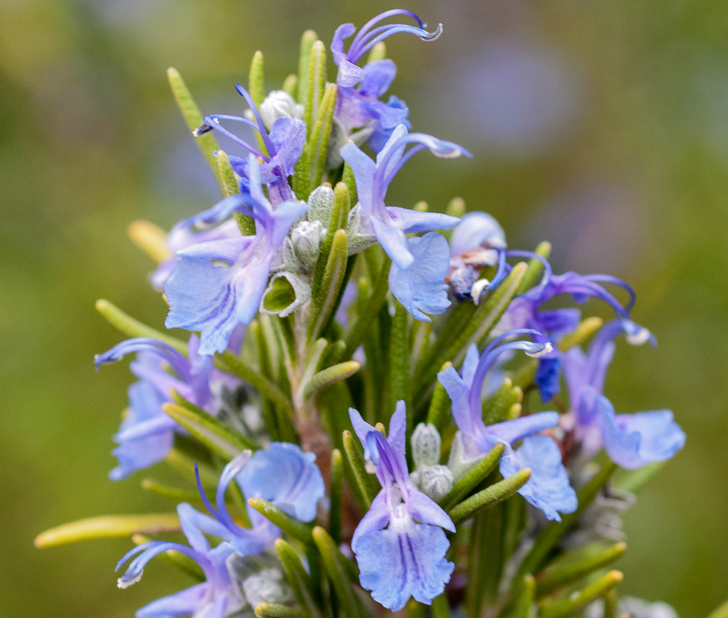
{"type": "Point", "coordinates": [297, 576]}
{"type": "Point", "coordinates": [193, 117]}
{"type": "Point", "coordinates": [184, 464]}
{"type": "Point", "coordinates": [151, 239]}
{"type": "Point", "coordinates": [338, 574]}
{"type": "Point", "coordinates": [497, 408]}
{"type": "Point", "coordinates": [720, 612]}
{"type": "Point", "coordinates": [585, 330]}
{"type": "Point", "coordinates": [456, 207]}
{"type": "Point", "coordinates": [524, 604]}
{"type": "Point", "coordinates": [356, 334]}
{"type": "Point", "coordinates": [378, 52]}
{"type": "Point", "coordinates": [307, 41]}
{"type": "Point", "coordinates": [336, 492]}
{"type": "Point", "coordinates": [348, 179]}
{"type": "Point", "coordinates": [329, 376]}
{"type": "Point", "coordinates": [315, 83]}
{"type": "Point", "coordinates": [490, 496]}
{"type": "Point", "coordinates": [323, 304]}
{"type": "Point", "coordinates": [175, 493]}
{"type": "Point", "coordinates": [290, 525]}
{"type": "Point", "coordinates": [439, 412]}
{"type": "Point", "coordinates": [209, 431]}
{"type": "Point", "coordinates": [575, 602]}
{"type": "Point", "coordinates": [273, 610]}
{"type": "Point", "coordinates": [322, 133]}
{"type": "Point", "coordinates": [634, 480]}
{"type": "Point", "coordinates": [560, 576]}
{"type": "Point", "coordinates": [535, 267]}
{"type": "Point", "coordinates": [441, 607]}
{"type": "Point", "coordinates": [256, 88]}
{"type": "Point", "coordinates": [134, 328]}
{"type": "Point", "coordinates": [548, 538]}
{"type": "Point", "coordinates": [108, 527]}
{"type": "Point", "coordinates": [337, 221]}
{"type": "Point", "coordinates": [290, 85]}
{"type": "Point", "coordinates": [355, 455]}
{"type": "Point", "coordinates": [229, 180]}
{"type": "Point", "coordinates": [399, 364]}
{"type": "Point", "coordinates": [473, 477]}
{"type": "Point", "coordinates": [611, 604]}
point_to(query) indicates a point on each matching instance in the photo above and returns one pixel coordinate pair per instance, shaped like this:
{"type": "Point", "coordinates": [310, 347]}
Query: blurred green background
{"type": "Point", "coordinates": [601, 125]}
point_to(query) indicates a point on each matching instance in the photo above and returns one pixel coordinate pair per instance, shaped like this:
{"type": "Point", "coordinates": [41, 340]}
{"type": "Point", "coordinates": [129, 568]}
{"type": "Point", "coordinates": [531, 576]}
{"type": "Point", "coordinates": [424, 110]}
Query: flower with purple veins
{"type": "Point", "coordinates": [360, 107]}
{"type": "Point", "coordinates": [548, 488]}
{"type": "Point", "coordinates": [215, 299]}
{"type": "Point", "coordinates": [631, 440]}
{"type": "Point", "coordinates": [407, 559]}
{"type": "Point", "coordinates": [217, 597]}
{"type": "Point", "coordinates": [283, 146]}
{"type": "Point", "coordinates": [147, 433]}
{"type": "Point", "coordinates": [419, 265]}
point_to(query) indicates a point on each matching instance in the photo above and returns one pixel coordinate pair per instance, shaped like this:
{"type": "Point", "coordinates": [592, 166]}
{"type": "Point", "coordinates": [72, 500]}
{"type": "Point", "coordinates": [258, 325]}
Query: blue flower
{"type": "Point", "coordinates": [215, 299]}
{"type": "Point", "coordinates": [548, 488]}
{"type": "Point", "coordinates": [407, 559]}
{"type": "Point", "coordinates": [282, 474]}
{"type": "Point", "coordinates": [147, 433]}
{"type": "Point", "coordinates": [418, 283]}
{"type": "Point", "coordinates": [525, 312]}
{"type": "Point", "coordinates": [631, 440]}
{"type": "Point", "coordinates": [218, 596]}
{"type": "Point", "coordinates": [361, 107]}
{"type": "Point", "coordinates": [284, 146]}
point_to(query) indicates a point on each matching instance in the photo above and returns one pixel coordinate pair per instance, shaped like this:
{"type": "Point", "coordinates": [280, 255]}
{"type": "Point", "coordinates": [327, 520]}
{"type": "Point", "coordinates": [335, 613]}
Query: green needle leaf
{"type": "Point", "coordinates": [209, 431]}
{"type": "Point", "coordinates": [611, 603]}
{"type": "Point", "coordinates": [378, 52]}
{"type": "Point", "coordinates": [324, 303]}
{"type": "Point", "coordinates": [439, 411]}
{"type": "Point", "coordinates": [134, 328]}
{"type": "Point", "coordinates": [307, 41]}
{"type": "Point", "coordinates": [585, 330]}
{"type": "Point", "coordinates": [297, 576]}
{"type": "Point", "coordinates": [400, 357]}
{"type": "Point", "coordinates": [575, 602]}
{"type": "Point", "coordinates": [560, 576]}
{"type": "Point", "coordinates": [473, 477]}
{"type": "Point", "coordinates": [524, 604]}
{"type": "Point", "coordinates": [441, 607]}
{"type": "Point", "coordinates": [497, 408]}
{"type": "Point", "coordinates": [193, 117]}
{"type": "Point", "coordinates": [256, 88]}
{"type": "Point", "coordinates": [229, 180]}
{"type": "Point", "coordinates": [355, 455]}
{"type": "Point", "coordinates": [329, 376]}
{"type": "Point", "coordinates": [290, 85]}
{"type": "Point", "coordinates": [337, 221]}
{"type": "Point", "coordinates": [150, 238]}
{"type": "Point", "coordinates": [175, 493]}
{"type": "Point", "coordinates": [336, 493]}
{"type": "Point", "coordinates": [315, 84]}
{"type": "Point", "coordinates": [720, 612]}
{"type": "Point", "coordinates": [552, 533]}
{"type": "Point", "coordinates": [490, 496]}
{"type": "Point", "coordinates": [321, 134]}
{"type": "Point", "coordinates": [273, 610]}
{"type": "Point", "coordinates": [290, 525]}
{"type": "Point", "coordinates": [339, 573]}
{"type": "Point", "coordinates": [108, 527]}
{"type": "Point", "coordinates": [535, 267]}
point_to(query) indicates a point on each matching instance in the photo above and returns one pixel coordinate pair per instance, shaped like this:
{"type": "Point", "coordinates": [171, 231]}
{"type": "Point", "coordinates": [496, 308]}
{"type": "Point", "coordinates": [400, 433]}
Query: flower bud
{"type": "Point", "coordinates": [426, 444]}
{"type": "Point", "coordinates": [267, 586]}
{"type": "Point", "coordinates": [434, 481]}
{"type": "Point", "coordinates": [306, 238]}
{"type": "Point", "coordinates": [279, 104]}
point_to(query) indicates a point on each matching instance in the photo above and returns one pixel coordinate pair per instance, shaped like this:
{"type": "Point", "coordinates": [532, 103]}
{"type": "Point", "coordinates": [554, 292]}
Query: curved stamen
{"type": "Point", "coordinates": [382, 16]}
{"type": "Point", "coordinates": [261, 126]}
{"type": "Point", "coordinates": [421, 33]}
{"type": "Point", "coordinates": [625, 286]}
{"type": "Point", "coordinates": [234, 468]}
{"type": "Point", "coordinates": [547, 272]}
{"type": "Point", "coordinates": [212, 121]}
{"type": "Point", "coordinates": [203, 495]}
{"type": "Point", "coordinates": [491, 353]}
{"type": "Point", "coordinates": [136, 569]}
{"type": "Point", "coordinates": [176, 360]}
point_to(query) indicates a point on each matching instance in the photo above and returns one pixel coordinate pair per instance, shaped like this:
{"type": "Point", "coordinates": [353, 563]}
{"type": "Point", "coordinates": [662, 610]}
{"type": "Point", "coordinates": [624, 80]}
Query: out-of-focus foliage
{"type": "Point", "coordinates": [600, 126]}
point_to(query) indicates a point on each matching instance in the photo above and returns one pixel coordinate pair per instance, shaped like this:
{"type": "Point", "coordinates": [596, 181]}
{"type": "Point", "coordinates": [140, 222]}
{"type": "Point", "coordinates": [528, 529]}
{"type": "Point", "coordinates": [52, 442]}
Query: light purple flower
{"type": "Point", "coordinates": [284, 146]}
{"type": "Point", "coordinates": [217, 597]}
{"type": "Point", "coordinates": [358, 107]}
{"type": "Point", "coordinates": [146, 434]}
{"type": "Point", "coordinates": [631, 440]}
{"type": "Point", "coordinates": [399, 544]}
{"type": "Point", "coordinates": [419, 265]}
{"type": "Point", "coordinates": [215, 299]}
{"type": "Point", "coordinates": [548, 488]}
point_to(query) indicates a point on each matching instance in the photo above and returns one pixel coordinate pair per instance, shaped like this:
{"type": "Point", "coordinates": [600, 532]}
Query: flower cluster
{"type": "Point", "coordinates": [315, 308]}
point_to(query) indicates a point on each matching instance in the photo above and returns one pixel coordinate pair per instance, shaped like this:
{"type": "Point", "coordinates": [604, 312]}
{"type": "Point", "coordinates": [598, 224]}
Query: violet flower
{"type": "Point", "coordinates": [358, 107]}
{"type": "Point", "coordinates": [218, 596]}
{"type": "Point", "coordinates": [407, 559]}
{"type": "Point", "coordinates": [419, 265]}
{"type": "Point", "coordinates": [284, 146]}
{"type": "Point", "coordinates": [146, 434]}
{"type": "Point", "coordinates": [548, 488]}
{"type": "Point", "coordinates": [215, 299]}
{"type": "Point", "coordinates": [631, 440]}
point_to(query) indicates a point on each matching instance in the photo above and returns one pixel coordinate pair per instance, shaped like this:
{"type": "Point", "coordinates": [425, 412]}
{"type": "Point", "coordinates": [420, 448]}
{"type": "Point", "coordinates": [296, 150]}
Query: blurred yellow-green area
{"type": "Point", "coordinates": [600, 125]}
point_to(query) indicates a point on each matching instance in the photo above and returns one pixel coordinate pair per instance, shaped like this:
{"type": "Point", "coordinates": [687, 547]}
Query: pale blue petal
{"type": "Point", "coordinates": [426, 511]}
{"type": "Point", "coordinates": [349, 74]}
{"type": "Point", "coordinates": [398, 564]}
{"type": "Point", "coordinates": [459, 394]}
{"type": "Point", "coordinates": [474, 230]}
{"type": "Point", "coordinates": [470, 364]}
{"type": "Point", "coordinates": [558, 322]}
{"type": "Point", "coordinates": [364, 169]}
{"type": "Point", "coordinates": [377, 78]}
{"type": "Point", "coordinates": [394, 243]}
{"type": "Point", "coordinates": [399, 132]}
{"type": "Point", "coordinates": [224, 250]}
{"type": "Point", "coordinates": [195, 523]}
{"type": "Point", "coordinates": [389, 116]}
{"type": "Point", "coordinates": [660, 436]}
{"type": "Point", "coordinates": [397, 436]}
{"type": "Point", "coordinates": [421, 288]}
{"type": "Point", "coordinates": [182, 603]}
{"type": "Point", "coordinates": [361, 427]}
{"type": "Point", "coordinates": [376, 518]}
{"type": "Point", "coordinates": [519, 428]}
{"type": "Point", "coordinates": [289, 137]}
{"type": "Point", "coordinates": [415, 222]}
{"type": "Point", "coordinates": [286, 476]}
{"type": "Point", "coordinates": [343, 32]}
{"type": "Point", "coordinates": [548, 488]}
